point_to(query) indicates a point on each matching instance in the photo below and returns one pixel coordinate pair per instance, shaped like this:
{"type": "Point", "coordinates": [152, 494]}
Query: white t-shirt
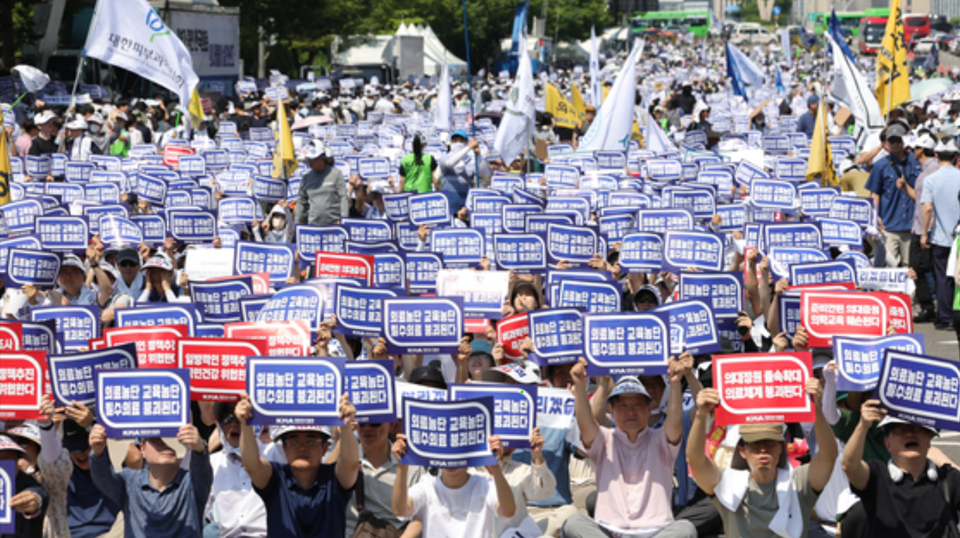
{"type": "Point", "coordinates": [467, 512]}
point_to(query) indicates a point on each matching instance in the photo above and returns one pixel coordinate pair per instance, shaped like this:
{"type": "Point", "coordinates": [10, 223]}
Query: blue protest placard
{"type": "Point", "coordinates": [191, 226]}
{"type": "Point", "coordinates": [76, 324]}
{"type": "Point", "coordinates": [661, 220]}
{"type": "Point", "coordinates": [296, 391]}
{"type": "Point", "coordinates": [153, 314]}
{"type": "Point", "coordinates": [791, 169]}
{"type": "Point", "coordinates": [615, 227]}
{"type": "Point", "coordinates": [143, 402]}
{"type": "Point", "coordinates": [26, 242]}
{"type": "Point", "coordinates": [747, 172]}
{"type": "Point", "coordinates": [920, 389]}
{"type": "Point", "coordinates": [567, 204]}
{"type": "Point", "coordinates": [8, 489]}
{"type": "Point", "coordinates": [299, 302]}
{"type": "Point", "coordinates": [538, 222]}
{"type": "Point", "coordinates": [489, 224]}
{"type": "Point", "coordinates": [219, 301]}
{"type": "Point", "coordinates": [831, 272]}
{"type": "Point", "coordinates": [858, 259]}
{"type": "Point", "coordinates": [251, 305]}
{"type": "Point", "coordinates": [837, 232]}
{"type": "Point", "coordinates": [473, 194]}
{"type": "Point", "coordinates": [663, 170]}
{"type": "Point", "coordinates": [791, 234]}
{"type": "Point", "coordinates": [421, 325]}
{"type": "Point", "coordinates": [63, 234]}
{"type": "Point", "coordinates": [373, 167]}
{"type": "Point", "coordinates": [311, 239]}
{"type": "Point", "coordinates": [522, 253]}
{"type": "Point", "coordinates": [557, 335]}
{"type": "Point", "coordinates": [702, 203]}
{"type": "Point", "coordinates": [448, 434]}
{"type": "Point", "coordinates": [859, 360]}
{"type": "Point", "coordinates": [781, 258]}
{"type": "Point", "coordinates": [390, 271]}
{"type": "Point", "coordinates": [859, 210]}
{"type": "Point", "coordinates": [20, 215]}
{"type": "Point", "coordinates": [118, 232]}
{"type": "Point", "coordinates": [693, 327]}
{"type": "Point", "coordinates": [490, 203]}
{"type": "Point", "coordinates": [817, 201]}
{"type": "Point", "coordinates": [151, 188]}
{"type": "Point", "coordinates": [627, 344]}
{"type": "Point", "coordinates": [367, 231]}
{"type": "Point", "coordinates": [506, 184]}
{"type": "Point", "coordinates": [397, 205]}
{"type": "Point", "coordinates": [153, 228]}
{"type": "Point", "coordinates": [561, 176]}
{"type": "Point", "coordinates": [459, 247]}
{"type": "Point", "coordinates": [629, 198]}
{"type": "Point", "coordinates": [103, 193]}
{"type": "Point", "coordinates": [371, 249]}
{"type": "Point", "coordinates": [370, 385]}
{"type": "Point", "coordinates": [274, 258]}
{"type": "Point", "coordinates": [723, 292]}
{"type": "Point", "coordinates": [422, 268]}
{"type": "Point", "coordinates": [699, 250]}
{"type": "Point", "coordinates": [35, 267]}
{"type": "Point", "coordinates": [430, 208]}
{"type": "Point", "coordinates": [192, 165]}
{"type": "Point", "coordinates": [96, 212]}
{"type": "Point", "coordinates": [72, 376]}
{"type": "Point", "coordinates": [575, 244]}
{"type": "Point", "coordinates": [37, 336]}
{"type": "Point", "coordinates": [514, 409]}
{"type": "Point", "coordinates": [592, 297]}
{"type": "Point", "coordinates": [360, 310]}
{"type": "Point", "coordinates": [641, 251]}
{"type": "Point", "coordinates": [773, 194]}
{"type": "Point", "coordinates": [789, 315]}
{"type": "Point", "coordinates": [78, 171]}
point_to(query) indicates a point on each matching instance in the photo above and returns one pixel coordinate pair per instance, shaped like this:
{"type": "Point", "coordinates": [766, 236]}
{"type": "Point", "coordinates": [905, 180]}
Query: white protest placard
{"type": "Point", "coordinates": [205, 263]}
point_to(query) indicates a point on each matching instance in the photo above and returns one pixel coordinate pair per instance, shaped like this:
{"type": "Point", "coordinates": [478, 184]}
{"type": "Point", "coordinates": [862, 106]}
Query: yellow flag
{"type": "Point", "coordinates": [606, 90]}
{"type": "Point", "coordinates": [196, 108]}
{"type": "Point", "coordinates": [563, 112]}
{"type": "Point", "coordinates": [5, 171]}
{"type": "Point", "coordinates": [820, 162]}
{"type": "Point", "coordinates": [578, 103]}
{"type": "Point", "coordinates": [893, 74]}
{"type": "Point", "coordinates": [284, 161]}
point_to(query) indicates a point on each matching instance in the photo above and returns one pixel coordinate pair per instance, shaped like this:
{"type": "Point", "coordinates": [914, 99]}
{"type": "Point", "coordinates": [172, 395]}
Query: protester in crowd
{"type": "Point", "coordinates": [808, 120]}
{"type": "Point", "coordinates": [163, 498]}
{"type": "Point", "coordinates": [760, 494]}
{"type": "Point", "coordinates": [634, 462]}
{"type": "Point", "coordinates": [322, 199]}
{"type": "Point", "coordinates": [589, 114]}
{"type": "Point", "coordinates": [417, 168]}
{"type": "Point", "coordinates": [887, 183]}
{"type": "Point", "coordinates": [921, 259]}
{"type": "Point", "coordinates": [29, 131]}
{"type": "Point", "coordinates": [305, 496]}
{"type": "Point", "coordinates": [941, 215]}
{"type": "Point", "coordinates": [459, 169]}
{"type": "Point", "coordinates": [31, 501]}
{"type": "Point", "coordinates": [45, 142]}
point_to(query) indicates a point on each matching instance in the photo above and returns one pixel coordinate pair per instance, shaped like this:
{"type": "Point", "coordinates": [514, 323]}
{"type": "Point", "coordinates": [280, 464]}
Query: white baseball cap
{"type": "Point", "coordinates": [316, 149]}
{"type": "Point", "coordinates": [78, 123]}
{"type": "Point", "coordinates": [947, 145]}
{"type": "Point", "coordinates": [277, 432]}
{"type": "Point", "coordinates": [43, 117]}
{"type": "Point", "coordinates": [926, 142]}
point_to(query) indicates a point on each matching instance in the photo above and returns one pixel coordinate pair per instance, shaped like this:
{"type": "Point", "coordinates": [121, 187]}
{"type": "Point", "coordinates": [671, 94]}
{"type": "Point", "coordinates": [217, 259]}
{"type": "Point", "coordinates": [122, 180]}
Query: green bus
{"type": "Point", "coordinates": [697, 22]}
{"type": "Point", "coordinates": [849, 20]}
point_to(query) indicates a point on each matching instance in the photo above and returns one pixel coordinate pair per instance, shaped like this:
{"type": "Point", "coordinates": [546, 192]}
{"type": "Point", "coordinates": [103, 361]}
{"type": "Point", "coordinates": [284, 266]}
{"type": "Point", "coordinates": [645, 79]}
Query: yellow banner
{"type": "Point", "coordinates": [893, 74]}
{"type": "Point", "coordinates": [820, 162]}
{"type": "Point", "coordinates": [578, 103]}
{"type": "Point", "coordinates": [563, 112]}
{"type": "Point", "coordinates": [284, 160]}
{"type": "Point", "coordinates": [4, 170]}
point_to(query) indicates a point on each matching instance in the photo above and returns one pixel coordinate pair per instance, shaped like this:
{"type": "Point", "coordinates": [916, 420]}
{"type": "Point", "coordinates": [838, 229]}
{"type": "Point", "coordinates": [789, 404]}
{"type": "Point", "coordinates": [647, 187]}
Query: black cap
{"type": "Point", "coordinates": [76, 439]}
{"type": "Point", "coordinates": [428, 374]}
{"type": "Point", "coordinates": [128, 254]}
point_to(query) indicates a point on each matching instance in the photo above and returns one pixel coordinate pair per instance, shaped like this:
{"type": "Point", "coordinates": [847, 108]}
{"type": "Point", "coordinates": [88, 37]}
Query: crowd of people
{"type": "Point", "coordinates": [640, 457]}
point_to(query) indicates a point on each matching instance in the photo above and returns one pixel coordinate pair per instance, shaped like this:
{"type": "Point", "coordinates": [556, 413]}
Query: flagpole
{"type": "Point", "coordinates": [83, 52]}
{"type": "Point", "coordinates": [473, 119]}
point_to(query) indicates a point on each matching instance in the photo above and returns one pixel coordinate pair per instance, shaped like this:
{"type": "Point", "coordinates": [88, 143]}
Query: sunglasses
{"type": "Point", "coordinates": [128, 264]}
{"type": "Point", "coordinates": [895, 140]}
{"type": "Point", "coordinates": [228, 419]}
{"type": "Point", "coordinates": [646, 299]}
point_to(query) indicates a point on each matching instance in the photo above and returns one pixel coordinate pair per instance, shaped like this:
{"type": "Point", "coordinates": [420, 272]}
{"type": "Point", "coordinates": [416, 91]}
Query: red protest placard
{"type": "Point", "coordinates": [836, 286]}
{"type": "Point", "coordinates": [763, 387]}
{"type": "Point", "coordinates": [901, 311]}
{"type": "Point", "coordinates": [172, 154]}
{"type": "Point", "coordinates": [511, 332]}
{"type": "Point", "coordinates": [261, 281]}
{"type": "Point", "coordinates": [825, 314]}
{"type": "Point", "coordinates": [218, 367]}
{"type": "Point", "coordinates": [156, 346]}
{"type": "Point", "coordinates": [22, 384]}
{"type": "Point", "coordinates": [336, 265]}
{"type": "Point", "coordinates": [282, 338]}
{"type": "Point", "coordinates": [96, 344]}
{"type": "Point", "coordinates": [475, 325]}
{"type": "Point", "coordinates": [11, 337]}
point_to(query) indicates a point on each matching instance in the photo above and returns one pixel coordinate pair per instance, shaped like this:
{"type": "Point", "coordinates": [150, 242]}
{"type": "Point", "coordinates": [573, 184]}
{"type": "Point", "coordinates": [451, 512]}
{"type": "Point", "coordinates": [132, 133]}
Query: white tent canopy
{"type": "Point", "coordinates": [434, 53]}
{"type": "Point", "coordinates": [367, 50]}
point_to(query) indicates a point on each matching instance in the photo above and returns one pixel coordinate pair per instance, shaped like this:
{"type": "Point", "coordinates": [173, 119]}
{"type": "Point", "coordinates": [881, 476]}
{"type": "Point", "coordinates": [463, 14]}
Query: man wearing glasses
{"type": "Point", "coordinates": [891, 183]}
{"type": "Point", "coordinates": [304, 497]}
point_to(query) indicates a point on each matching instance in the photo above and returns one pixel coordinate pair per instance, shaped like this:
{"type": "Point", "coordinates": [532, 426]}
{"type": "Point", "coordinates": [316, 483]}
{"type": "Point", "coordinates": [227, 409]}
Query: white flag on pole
{"type": "Point", "coordinates": [520, 111]}
{"type": "Point", "coordinates": [613, 125]}
{"type": "Point", "coordinates": [657, 141]}
{"type": "Point", "coordinates": [851, 89]}
{"type": "Point", "coordinates": [750, 72]}
{"type": "Point", "coordinates": [33, 79]}
{"type": "Point", "coordinates": [596, 90]}
{"type": "Point", "coordinates": [785, 45]}
{"type": "Point", "coordinates": [131, 35]}
{"type": "Point", "coordinates": [444, 119]}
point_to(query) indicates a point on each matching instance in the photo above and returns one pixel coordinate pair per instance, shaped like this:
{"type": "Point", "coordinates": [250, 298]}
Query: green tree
{"type": "Point", "coordinates": [16, 21]}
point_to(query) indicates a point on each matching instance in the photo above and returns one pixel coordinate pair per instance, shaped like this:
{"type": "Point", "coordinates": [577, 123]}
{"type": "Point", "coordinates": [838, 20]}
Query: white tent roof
{"type": "Point", "coordinates": [368, 50]}
{"type": "Point", "coordinates": [434, 52]}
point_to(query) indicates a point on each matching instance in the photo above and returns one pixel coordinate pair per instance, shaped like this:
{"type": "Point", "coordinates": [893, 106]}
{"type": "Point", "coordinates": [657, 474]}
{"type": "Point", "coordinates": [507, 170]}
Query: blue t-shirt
{"type": "Point", "coordinates": [89, 512]}
{"type": "Point", "coordinates": [896, 208]}
{"type": "Point", "coordinates": [293, 512]}
{"type": "Point", "coordinates": [806, 124]}
{"type": "Point", "coordinates": [940, 189]}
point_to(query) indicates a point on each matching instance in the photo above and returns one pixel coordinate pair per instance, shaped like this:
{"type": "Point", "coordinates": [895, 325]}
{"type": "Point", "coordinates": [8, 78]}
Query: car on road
{"type": "Point", "coordinates": [924, 45]}
{"type": "Point", "coordinates": [752, 34]}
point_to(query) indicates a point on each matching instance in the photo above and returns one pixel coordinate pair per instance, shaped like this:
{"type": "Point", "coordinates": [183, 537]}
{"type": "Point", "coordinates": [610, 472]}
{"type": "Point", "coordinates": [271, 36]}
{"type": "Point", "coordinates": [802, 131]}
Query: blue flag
{"type": "Point", "coordinates": [933, 59]}
{"type": "Point", "coordinates": [733, 73]}
{"type": "Point", "coordinates": [837, 34]}
{"type": "Point", "coordinates": [519, 26]}
{"type": "Point", "coordinates": [807, 39]}
{"type": "Point", "coordinates": [779, 82]}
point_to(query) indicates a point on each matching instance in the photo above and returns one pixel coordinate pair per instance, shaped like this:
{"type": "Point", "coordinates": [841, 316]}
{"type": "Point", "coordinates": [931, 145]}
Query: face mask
{"type": "Point", "coordinates": [94, 129]}
{"type": "Point", "coordinates": [278, 222]}
{"type": "Point", "coordinates": [456, 146]}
